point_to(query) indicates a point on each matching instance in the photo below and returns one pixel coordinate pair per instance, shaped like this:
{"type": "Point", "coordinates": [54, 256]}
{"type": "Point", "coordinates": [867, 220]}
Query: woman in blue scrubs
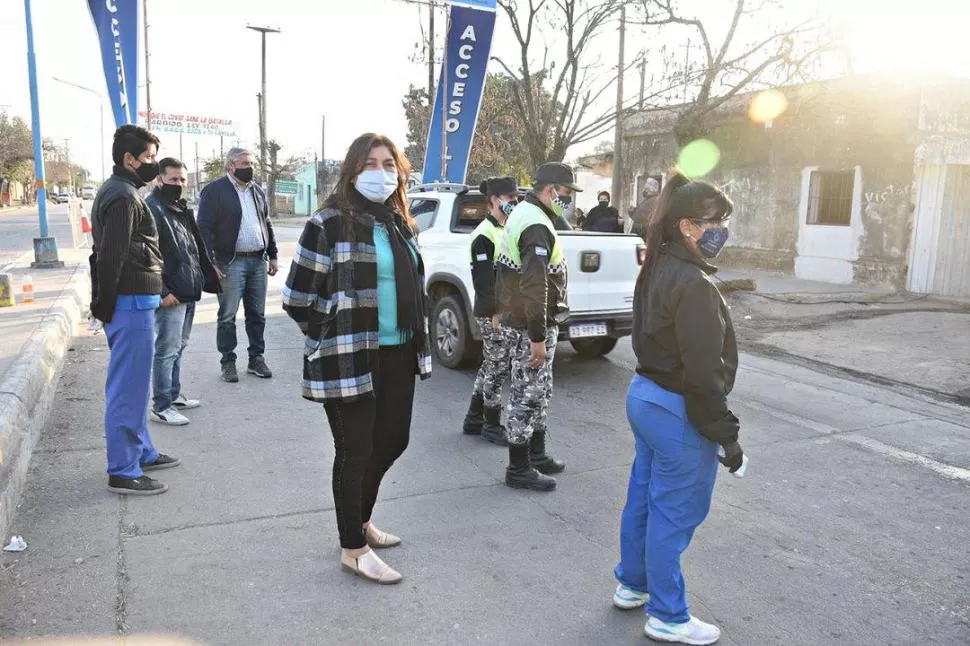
{"type": "Point", "coordinates": [677, 405]}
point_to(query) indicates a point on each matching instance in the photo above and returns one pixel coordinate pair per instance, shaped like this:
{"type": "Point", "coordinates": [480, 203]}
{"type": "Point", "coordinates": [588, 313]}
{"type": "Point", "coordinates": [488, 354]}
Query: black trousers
{"type": "Point", "coordinates": [368, 436]}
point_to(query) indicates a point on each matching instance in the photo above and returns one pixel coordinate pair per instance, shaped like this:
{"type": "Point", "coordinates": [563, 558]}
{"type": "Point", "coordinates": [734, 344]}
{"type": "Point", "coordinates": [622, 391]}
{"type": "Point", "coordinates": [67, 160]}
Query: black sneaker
{"type": "Point", "coordinates": [229, 374]}
{"type": "Point", "coordinates": [143, 486]}
{"type": "Point", "coordinates": [161, 462]}
{"type": "Point", "coordinates": [258, 367]}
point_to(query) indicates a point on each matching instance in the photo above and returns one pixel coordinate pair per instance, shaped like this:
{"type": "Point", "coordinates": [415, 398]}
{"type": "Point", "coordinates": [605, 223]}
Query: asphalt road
{"type": "Point", "coordinates": [19, 227]}
{"type": "Point", "coordinates": [851, 526]}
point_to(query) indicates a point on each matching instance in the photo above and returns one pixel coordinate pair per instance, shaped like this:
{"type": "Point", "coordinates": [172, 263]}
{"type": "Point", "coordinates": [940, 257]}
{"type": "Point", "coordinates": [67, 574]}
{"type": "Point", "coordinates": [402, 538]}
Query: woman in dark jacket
{"type": "Point", "coordinates": [677, 405]}
{"type": "Point", "coordinates": [356, 288]}
{"type": "Point", "coordinates": [603, 217]}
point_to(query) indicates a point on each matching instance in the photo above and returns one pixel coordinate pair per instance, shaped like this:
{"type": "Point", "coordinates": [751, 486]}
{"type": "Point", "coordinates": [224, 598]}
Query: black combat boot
{"type": "Point", "coordinates": [542, 462]}
{"type": "Point", "coordinates": [521, 475]}
{"type": "Point", "coordinates": [493, 431]}
{"type": "Point", "coordinates": [474, 418]}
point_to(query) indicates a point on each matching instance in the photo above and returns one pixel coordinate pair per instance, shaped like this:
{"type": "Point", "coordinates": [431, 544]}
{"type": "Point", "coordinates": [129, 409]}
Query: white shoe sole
{"type": "Point", "coordinates": [628, 605]}
{"type": "Point", "coordinates": [186, 406]}
{"type": "Point", "coordinates": [134, 492]}
{"type": "Point", "coordinates": [159, 420]}
{"type": "Point", "coordinates": [677, 639]}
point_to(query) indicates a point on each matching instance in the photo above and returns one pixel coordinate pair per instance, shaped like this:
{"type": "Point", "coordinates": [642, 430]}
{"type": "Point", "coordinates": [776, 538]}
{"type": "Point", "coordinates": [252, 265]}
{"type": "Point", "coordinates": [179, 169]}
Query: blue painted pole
{"type": "Point", "coordinates": [45, 246]}
{"type": "Point", "coordinates": [40, 184]}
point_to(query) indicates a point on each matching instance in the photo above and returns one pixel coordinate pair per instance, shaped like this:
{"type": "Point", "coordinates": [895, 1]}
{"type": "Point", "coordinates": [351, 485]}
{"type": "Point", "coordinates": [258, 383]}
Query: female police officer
{"type": "Point", "coordinates": [677, 405]}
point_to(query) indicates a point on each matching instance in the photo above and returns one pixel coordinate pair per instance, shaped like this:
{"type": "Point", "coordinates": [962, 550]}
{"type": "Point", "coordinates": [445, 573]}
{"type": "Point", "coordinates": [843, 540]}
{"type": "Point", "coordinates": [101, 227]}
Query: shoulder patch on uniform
{"type": "Point", "coordinates": [542, 251]}
{"type": "Point", "coordinates": [481, 256]}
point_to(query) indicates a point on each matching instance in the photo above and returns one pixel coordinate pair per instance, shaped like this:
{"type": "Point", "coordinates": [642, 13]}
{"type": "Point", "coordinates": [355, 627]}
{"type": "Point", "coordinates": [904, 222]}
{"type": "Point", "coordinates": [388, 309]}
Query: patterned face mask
{"type": "Point", "coordinates": [562, 205]}
{"type": "Point", "coordinates": [507, 208]}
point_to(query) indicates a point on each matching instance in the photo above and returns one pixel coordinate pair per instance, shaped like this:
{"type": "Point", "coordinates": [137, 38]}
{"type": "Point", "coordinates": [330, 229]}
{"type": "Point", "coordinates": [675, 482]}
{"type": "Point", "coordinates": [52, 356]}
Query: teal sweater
{"type": "Point", "coordinates": [388, 331]}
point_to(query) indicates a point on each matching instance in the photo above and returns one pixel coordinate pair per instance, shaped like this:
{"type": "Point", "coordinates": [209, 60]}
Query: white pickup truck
{"type": "Point", "coordinates": [602, 273]}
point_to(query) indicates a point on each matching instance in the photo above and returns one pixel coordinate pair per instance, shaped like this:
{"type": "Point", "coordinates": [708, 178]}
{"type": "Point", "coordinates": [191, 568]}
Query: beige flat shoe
{"type": "Point", "coordinates": [369, 566]}
{"type": "Point", "coordinates": [378, 539]}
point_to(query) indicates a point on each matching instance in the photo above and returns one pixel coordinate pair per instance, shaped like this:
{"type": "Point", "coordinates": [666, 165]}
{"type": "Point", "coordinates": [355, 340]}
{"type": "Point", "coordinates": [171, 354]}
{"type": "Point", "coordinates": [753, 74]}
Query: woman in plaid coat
{"type": "Point", "coordinates": [356, 289]}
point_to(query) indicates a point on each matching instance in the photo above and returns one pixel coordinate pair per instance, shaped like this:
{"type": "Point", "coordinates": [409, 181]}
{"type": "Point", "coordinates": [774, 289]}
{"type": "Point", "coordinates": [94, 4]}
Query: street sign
{"type": "Point", "coordinates": [287, 187]}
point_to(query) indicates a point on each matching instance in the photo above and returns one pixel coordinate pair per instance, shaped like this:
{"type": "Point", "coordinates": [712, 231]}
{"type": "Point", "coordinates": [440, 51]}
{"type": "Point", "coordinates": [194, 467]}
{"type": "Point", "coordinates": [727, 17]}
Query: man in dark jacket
{"type": "Point", "coordinates": [126, 280]}
{"type": "Point", "coordinates": [531, 288]}
{"type": "Point", "coordinates": [234, 220]}
{"type": "Point", "coordinates": [603, 217]}
{"type": "Point", "coordinates": [186, 272]}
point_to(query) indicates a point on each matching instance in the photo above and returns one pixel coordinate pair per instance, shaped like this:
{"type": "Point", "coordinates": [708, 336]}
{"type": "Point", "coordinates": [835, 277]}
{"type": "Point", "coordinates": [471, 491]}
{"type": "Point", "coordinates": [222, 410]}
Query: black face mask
{"type": "Point", "coordinates": [172, 192]}
{"type": "Point", "coordinates": [244, 175]}
{"type": "Point", "coordinates": [147, 171]}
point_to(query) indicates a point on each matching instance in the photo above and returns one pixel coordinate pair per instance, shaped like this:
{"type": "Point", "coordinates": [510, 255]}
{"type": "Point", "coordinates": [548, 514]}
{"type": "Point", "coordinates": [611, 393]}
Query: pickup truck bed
{"type": "Point", "coordinates": [602, 274]}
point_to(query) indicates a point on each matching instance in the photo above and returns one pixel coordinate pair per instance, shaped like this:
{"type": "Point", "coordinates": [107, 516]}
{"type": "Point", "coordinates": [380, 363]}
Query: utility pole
{"type": "Point", "coordinates": [67, 156]}
{"type": "Point", "coordinates": [45, 246]}
{"type": "Point", "coordinates": [198, 170]}
{"type": "Point", "coordinates": [148, 76]}
{"type": "Point", "coordinates": [323, 139]}
{"type": "Point", "coordinates": [643, 78]}
{"type": "Point", "coordinates": [431, 53]}
{"type": "Point", "coordinates": [686, 67]}
{"type": "Point", "coordinates": [444, 105]}
{"type": "Point", "coordinates": [262, 101]}
{"type": "Point", "coordinates": [618, 198]}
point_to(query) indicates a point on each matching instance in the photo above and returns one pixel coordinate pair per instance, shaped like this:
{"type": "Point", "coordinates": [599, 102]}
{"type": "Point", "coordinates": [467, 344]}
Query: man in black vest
{"type": "Point", "coordinates": [186, 273]}
{"type": "Point", "coordinates": [126, 281]}
{"type": "Point", "coordinates": [234, 220]}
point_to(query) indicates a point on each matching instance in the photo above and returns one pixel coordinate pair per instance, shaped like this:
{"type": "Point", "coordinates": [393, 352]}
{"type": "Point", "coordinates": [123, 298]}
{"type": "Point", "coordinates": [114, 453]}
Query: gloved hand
{"type": "Point", "coordinates": [733, 456]}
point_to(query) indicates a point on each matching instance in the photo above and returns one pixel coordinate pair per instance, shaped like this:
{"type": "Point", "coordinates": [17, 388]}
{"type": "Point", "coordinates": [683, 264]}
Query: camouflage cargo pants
{"type": "Point", "coordinates": [531, 388]}
{"type": "Point", "coordinates": [494, 371]}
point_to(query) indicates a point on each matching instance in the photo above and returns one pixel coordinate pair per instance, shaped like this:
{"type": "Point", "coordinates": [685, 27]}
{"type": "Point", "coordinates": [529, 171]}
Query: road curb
{"type": "Point", "coordinates": [27, 390]}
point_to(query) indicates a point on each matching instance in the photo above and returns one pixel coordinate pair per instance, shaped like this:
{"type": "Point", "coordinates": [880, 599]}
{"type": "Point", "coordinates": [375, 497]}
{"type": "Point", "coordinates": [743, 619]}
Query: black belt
{"type": "Point", "coordinates": [250, 254]}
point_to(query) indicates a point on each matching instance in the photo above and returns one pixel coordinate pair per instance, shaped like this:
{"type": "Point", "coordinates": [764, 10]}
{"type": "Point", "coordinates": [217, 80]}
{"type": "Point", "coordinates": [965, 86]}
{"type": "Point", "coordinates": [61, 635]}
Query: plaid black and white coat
{"type": "Point", "coordinates": [331, 292]}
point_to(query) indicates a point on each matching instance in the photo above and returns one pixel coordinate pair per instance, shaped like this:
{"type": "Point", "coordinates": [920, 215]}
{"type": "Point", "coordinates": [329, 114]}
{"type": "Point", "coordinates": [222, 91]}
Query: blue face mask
{"type": "Point", "coordinates": [713, 240]}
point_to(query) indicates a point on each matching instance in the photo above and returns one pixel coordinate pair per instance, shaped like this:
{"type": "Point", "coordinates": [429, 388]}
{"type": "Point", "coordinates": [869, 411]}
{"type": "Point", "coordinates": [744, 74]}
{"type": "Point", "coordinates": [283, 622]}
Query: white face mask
{"type": "Point", "coordinates": [377, 185]}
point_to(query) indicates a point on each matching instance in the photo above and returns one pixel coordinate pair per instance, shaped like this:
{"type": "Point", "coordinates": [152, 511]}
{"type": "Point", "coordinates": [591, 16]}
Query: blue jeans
{"type": "Point", "coordinates": [669, 496]}
{"type": "Point", "coordinates": [245, 283]}
{"type": "Point", "coordinates": [130, 336]}
{"type": "Point", "coordinates": [173, 325]}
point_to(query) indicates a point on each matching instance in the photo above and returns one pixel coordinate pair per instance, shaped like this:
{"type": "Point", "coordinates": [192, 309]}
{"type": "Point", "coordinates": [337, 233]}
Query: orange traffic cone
{"type": "Point", "coordinates": [27, 287]}
{"type": "Point", "coordinates": [85, 224]}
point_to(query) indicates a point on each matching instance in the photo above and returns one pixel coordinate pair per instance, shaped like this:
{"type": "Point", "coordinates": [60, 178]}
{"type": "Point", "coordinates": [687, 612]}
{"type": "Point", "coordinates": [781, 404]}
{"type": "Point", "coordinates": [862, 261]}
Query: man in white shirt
{"type": "Point", "coordinates": [234, 221]}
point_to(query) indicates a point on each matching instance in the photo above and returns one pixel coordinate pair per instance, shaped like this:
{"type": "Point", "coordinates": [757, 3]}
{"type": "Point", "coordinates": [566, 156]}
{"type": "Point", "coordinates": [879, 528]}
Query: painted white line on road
{"type": "Point", "coordinates": [850, 437]}
{"type": "Point", "coordinates": [947, 470]}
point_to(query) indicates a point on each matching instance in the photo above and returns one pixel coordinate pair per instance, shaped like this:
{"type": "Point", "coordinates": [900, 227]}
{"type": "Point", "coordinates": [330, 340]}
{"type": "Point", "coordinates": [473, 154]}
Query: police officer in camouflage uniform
{"type": "Point", "coordinates": [485, 411]}
{"type": "Point", "coordinates": [531, 272]}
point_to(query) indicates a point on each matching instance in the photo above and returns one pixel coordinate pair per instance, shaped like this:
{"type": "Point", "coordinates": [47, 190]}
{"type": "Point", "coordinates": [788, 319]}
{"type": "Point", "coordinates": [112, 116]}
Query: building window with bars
{"type": "Point", "coordinates": [830, 197]}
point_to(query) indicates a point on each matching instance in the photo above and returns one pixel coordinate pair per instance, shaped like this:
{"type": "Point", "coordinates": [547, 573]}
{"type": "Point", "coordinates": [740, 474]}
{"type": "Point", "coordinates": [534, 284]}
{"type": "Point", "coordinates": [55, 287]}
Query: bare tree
{"type": "Point", "coordinates": [556, 96]}
{"type": "Point", "coordinates": [733, 65]}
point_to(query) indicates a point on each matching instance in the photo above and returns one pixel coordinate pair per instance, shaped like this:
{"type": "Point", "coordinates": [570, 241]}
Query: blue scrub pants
{"type": "Point", "coordinates": [671, 485]}
{"type": "Point", "coordinates": [131, 339]}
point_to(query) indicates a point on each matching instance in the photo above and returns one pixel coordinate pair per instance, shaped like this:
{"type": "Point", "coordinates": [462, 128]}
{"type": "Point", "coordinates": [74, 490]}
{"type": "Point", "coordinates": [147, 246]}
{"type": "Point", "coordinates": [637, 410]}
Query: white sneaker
{"type": "Point", "coordinates": [182, 403]}
{"type": "Point", "coordinates": [626, 599]}
{"type": "Point", "coordinates": [694, 632]}
{"type": "Point", "coordinates": [170, 417]}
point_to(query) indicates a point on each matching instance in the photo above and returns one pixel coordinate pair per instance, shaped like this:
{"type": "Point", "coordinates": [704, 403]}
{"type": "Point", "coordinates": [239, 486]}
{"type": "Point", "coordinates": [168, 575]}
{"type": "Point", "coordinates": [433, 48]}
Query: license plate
{"type": "Point", "coordinates": [582, 330]}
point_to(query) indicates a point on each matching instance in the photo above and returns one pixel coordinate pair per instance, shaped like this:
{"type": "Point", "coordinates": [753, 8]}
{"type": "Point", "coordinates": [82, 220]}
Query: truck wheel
{"type": "Point", "coordinates": [592, 348]}
{"type": "Point", "coordinates": [452, 341]}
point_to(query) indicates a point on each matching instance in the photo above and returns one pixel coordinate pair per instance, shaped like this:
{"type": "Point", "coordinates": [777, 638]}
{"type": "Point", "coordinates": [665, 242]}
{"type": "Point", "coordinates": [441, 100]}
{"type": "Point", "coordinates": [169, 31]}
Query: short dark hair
{"type": "Point", "coordinates": [602, 193]}
{"type": "Point", "coordinates": [169, 162]}
{"type": "Point", "coordinates": [131, 139]}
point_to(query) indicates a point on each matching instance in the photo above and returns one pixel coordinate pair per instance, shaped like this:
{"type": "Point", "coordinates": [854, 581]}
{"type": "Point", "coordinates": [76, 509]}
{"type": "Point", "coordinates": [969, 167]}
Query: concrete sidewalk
{"type": "Point", "coordinates": [34, 338]}
{"type": "Point", "coordinates": [909, 341]}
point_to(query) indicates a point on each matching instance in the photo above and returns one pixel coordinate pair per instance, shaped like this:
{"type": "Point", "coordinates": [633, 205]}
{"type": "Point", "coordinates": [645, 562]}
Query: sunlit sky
{"type": "Point", "coordinates": [347, 59]}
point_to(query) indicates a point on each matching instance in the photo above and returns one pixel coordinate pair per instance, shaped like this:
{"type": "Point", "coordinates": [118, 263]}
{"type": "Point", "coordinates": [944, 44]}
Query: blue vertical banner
{"type": "Point", "coordinates": [116, 22]}
{"type": "Point", "coordinates": [460, 89]}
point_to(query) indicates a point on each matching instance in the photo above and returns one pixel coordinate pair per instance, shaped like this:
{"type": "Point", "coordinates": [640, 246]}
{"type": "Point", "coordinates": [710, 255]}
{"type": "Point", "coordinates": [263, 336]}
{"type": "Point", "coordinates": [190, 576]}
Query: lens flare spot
{"type": "Point", "coordinates": [698, 158]}
{"type": "Point", "coordinates": [767, 106]}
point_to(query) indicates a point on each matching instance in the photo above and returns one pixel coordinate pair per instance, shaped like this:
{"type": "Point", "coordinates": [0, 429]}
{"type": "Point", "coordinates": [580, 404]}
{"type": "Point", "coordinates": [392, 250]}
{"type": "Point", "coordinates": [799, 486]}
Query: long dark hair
{"type": "Point", "coordinates": [356, 161]}
{"type": "Point", "coordinates": [681, 198]}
